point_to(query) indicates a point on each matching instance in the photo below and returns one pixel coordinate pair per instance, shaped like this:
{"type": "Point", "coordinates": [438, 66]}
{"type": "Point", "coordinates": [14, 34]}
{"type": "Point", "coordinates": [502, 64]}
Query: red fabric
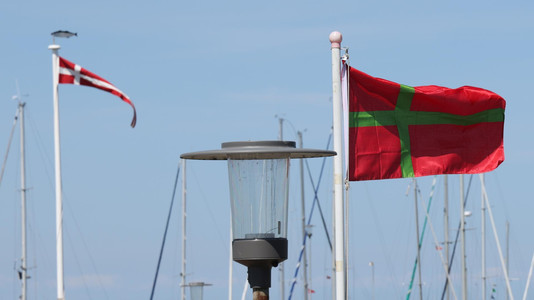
{"type": "Point", "coordinates": [375, 151]}
{"type": "Point", "coordinates": [454, 149]}
{"type": "Point", "coordinates": [70, 73]}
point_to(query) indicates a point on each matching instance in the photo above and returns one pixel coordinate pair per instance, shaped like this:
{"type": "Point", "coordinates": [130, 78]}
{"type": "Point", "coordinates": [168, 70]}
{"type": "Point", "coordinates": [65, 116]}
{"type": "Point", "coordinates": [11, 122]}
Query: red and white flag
{"type": "Point", "coordinates": [70, 73]}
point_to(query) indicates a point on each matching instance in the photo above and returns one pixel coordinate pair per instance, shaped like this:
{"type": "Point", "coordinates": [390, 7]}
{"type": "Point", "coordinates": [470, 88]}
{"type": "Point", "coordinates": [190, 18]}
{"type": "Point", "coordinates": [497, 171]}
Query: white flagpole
{"type": "Point", "coordinates": [335, 40]}
{"type": "Point", "coordinates": [57, 156]}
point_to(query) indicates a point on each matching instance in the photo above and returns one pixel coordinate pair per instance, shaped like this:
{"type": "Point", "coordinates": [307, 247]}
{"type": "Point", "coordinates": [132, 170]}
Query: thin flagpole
{"type": "Point", "coordinates": [483, 238]}
{"type": "Point", "coordinates": [184, 223]}
{"type": "Point", "coordinates": [418, 242]}
{"type": "Point", "coordinates": [462, 232]}
{"type": "Point", "coordinates": [57, 156]}
{"type": "Point", "coordinates": [335, 40]}
{"type": "Point", "coordinates": [24, 258]}
{"type": "Point", "coordinates": [231, 265]}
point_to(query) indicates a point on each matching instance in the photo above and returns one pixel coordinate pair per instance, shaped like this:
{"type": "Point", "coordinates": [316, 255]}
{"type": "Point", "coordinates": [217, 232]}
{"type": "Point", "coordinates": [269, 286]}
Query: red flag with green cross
{"type": "Point", "coordinates": [398, 131]}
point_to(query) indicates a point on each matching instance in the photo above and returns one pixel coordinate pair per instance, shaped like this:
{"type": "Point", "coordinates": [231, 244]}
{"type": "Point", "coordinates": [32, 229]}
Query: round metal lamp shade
{"type": "Point", "coordinates": [257, 150]}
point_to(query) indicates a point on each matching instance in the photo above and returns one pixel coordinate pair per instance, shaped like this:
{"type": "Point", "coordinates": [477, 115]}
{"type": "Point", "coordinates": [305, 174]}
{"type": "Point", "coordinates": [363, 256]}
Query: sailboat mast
{"type": "Point", "coordinates": [446, 222]}
{"type": "Point", "coordinates": [281, 265]}
{"type": "Point", "coordinates": [483, 237]}
{"type": "Point", "coordinates": [23, 267]}
{"type": "Point", "coordinates": [462, 232]}
{"type": "Point", "coordinates": [303, 211]}
{"type": "Point", "coordinates": [184, 215]}
{"type": "Point", "coordinates": [507, 252]}
{"type": "Point", "coordinates": [418, 243]}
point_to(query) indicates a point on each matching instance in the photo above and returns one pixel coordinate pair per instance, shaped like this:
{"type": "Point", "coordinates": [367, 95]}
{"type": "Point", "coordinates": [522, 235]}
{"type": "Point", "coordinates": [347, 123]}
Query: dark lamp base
{"type": "Point", "coordinates": [260, 255]}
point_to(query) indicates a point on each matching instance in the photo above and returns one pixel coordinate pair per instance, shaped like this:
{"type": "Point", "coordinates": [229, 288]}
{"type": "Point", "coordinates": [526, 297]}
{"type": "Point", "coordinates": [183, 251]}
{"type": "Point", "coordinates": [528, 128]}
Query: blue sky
{"type": "Point", "coordinates": [202, 73]}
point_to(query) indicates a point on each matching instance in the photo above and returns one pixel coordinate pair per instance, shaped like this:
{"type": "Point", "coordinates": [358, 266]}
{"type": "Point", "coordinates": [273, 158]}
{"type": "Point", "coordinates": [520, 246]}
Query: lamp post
{"type": "Point", "coordinates": [258, 173]}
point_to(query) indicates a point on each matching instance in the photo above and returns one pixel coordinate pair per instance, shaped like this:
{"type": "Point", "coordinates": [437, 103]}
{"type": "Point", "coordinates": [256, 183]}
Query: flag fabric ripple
{"type": "Point", "coordinates": [71, 73]}
{"type": "Point", "coordinates": [398, 131]}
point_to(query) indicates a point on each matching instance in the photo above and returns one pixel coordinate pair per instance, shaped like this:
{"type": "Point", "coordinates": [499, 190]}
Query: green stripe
{"type": "Point", "coordinates": [402, 117]}
{"type": "Point", "coordinates": [387, 118]}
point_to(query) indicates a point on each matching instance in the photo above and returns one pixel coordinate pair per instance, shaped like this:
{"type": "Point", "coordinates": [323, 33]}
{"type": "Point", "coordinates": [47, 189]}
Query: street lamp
{"type": "Point", "coordinates": [196, 290]}
{"type": "Point", "coordinates": [258, 173]}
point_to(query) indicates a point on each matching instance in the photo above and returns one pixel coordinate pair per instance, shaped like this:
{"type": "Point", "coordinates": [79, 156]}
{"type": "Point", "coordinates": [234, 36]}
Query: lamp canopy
{"type": "Point", "coordinates": [257, 150]}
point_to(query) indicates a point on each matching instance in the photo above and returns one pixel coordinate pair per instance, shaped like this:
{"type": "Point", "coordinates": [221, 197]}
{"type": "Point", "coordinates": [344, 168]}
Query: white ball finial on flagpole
{"type": "Point", "coordinates": [335, 39]}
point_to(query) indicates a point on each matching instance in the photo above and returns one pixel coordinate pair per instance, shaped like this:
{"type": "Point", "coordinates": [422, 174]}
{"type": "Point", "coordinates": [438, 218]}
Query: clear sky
{"type": "Point", "coordinates": [205, 72]}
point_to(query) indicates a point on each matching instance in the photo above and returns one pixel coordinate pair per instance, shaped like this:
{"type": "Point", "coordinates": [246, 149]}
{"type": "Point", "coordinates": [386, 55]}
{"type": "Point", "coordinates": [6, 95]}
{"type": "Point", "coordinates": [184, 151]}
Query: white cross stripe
{"type": "Point", "coordinates": [77, 74]}
{"type": "Point", "coordinates": [103, 84]}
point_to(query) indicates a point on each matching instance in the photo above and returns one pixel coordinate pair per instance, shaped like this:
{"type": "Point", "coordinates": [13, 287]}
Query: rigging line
{"type": "Point", "coordinates": [70, 210]}
{"type": "Point", "coordinates": [436, 242]}
{"type": "Point", "coordinates": [422, 235]}
{"type": "Point", "coordinates": [316, 189]}
{"type": "Point", "coordinates": [9, 145]}
{"type": "Point", "coordinates": [315, 200]}
{"type": "Point", "coordinates": [496, 236]}
{"type": "Point", "coordinates": [40, 145]}
{"type": "Point", "coordinates": [221, 237]}
{"type": "Point", "coordinates": [456, 239]}
{"type": "Point", "coordinates": [165, 233]}
{"type": "Point", "coordinates": [70, 241]}
{"type": "Point", "coordinates": [370, 198]}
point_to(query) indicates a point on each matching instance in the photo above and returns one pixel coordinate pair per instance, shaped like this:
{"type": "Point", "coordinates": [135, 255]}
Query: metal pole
{"type": "Point", "coordinates": [231, 266]}
{"type": "Point", "coordinates": [507, 251]}
{"type": "Point", "coordinates": [280, 265]}
{"type": "Point", "coordinates": [418, 244]}
{"type": "Point", "coordinates": [528, 278]}
{"type": "Point", "coordinates": [281, 129]}
{"type": "Point", "coordinates": [23, 198]}
{"type": "Point", "coordinates": [260, 294]}
{"type": "Point", "coordinates": [372, 264]}
{"type": "Point", "coordinates": [303, 210]}
{"type": "Point", "coordinates": [446, 224]}
{"type": "Point", "coordinates": [462, 231]}
{"type": "Point", "coordinates": [483, 237]}
{"type": "Point", "coordinates": [335, 40]}
{"type": "Point", "coordinates": [59, 188]}
{"type": "Point", "coordinates": [308, 232]}
{"type": "Point", "coordinates": [184, 223]}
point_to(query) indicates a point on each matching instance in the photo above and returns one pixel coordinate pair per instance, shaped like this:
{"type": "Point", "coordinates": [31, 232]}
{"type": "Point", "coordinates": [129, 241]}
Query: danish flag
{"type": "Point", "coordinates": [71, 73]}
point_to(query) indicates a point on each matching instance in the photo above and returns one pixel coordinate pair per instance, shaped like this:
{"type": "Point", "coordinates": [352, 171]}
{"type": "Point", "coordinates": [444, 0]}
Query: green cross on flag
{"type": "Point", "coordinates": [400, 131]}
